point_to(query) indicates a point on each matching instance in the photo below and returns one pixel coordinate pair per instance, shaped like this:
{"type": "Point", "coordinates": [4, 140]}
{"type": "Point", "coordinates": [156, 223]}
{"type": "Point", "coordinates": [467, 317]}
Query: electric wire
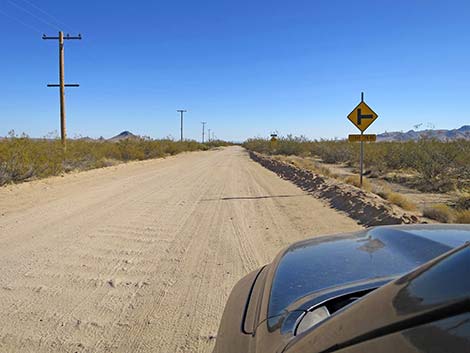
{"type": "Point", "coordinates": [52, 17]}
{"type": "Point", "coordinates": [34, 15]}
{"type": "Point", "coordinates": [20, 22]}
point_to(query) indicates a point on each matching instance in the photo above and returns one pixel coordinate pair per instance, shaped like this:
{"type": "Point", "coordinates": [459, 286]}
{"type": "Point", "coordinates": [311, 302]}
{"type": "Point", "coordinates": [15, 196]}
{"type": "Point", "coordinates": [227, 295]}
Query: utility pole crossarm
{"type": "Point", "coordinates": [68, 36]}
{"type": "Point", "coordinates": [65, 85]}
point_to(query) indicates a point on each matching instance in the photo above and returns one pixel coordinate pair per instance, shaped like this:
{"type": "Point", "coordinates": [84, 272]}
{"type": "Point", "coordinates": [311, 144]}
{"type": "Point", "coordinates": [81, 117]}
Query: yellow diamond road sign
{"type": "Point", "coordinates": [362, 116]}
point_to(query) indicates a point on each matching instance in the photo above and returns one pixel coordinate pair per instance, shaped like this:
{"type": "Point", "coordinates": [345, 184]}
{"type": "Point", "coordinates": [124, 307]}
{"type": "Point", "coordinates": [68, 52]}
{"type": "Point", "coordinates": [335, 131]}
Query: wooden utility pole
{"type": "Point", "coordinates": [62, 84]}
{"type": "Point", "coordinates": [209, 134]}
{"type": "Point", "coordinates": [203, 130]}
{"type": "Point", "coordinates": [181, 111]}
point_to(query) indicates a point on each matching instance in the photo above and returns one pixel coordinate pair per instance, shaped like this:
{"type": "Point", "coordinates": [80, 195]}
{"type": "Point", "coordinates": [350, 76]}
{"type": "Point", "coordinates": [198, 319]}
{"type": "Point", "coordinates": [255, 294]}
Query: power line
{"type": "Point", "coordinates": [57, 21]}
{"type": "Point", "coordinates": [20, 22]}
{"type": "Point", "coordinates": [35, 16]}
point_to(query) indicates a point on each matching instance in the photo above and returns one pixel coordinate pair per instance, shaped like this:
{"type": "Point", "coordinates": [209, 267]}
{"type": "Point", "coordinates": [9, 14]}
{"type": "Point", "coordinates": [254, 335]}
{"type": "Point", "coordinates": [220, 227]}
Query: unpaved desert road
{"type": "Point", "coordinates": [141, 257]}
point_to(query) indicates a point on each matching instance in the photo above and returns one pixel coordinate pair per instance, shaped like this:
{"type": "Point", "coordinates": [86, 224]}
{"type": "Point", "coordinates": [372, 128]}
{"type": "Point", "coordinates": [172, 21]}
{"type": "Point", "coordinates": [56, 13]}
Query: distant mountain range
{"type": "Point", "coordinates": [442, 135]}
{"type": "Point", "coordinates": [411, 135]}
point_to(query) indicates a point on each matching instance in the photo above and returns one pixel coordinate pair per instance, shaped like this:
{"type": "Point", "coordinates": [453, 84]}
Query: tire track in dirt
{"type": "Point", "coordinates": [142, 257]}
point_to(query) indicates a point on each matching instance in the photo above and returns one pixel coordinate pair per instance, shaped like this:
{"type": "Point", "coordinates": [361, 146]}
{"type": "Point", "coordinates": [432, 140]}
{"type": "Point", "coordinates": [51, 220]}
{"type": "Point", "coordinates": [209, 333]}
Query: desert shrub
{"type": "Point", "coordinates": [401, 201]}
{"type": "Point", "coordinates": [23, 158]}
{"type": "Point", "coordinates": [218, 143]}
{"type": "Point", "coordinates": [439, 212]}
{"type": "Point", "coordinates": [435, 165]}
{"type": "Point", "coordinates": [463, 203]}
{"type": "Point", "coordinates": [381, 189]}
{"type": "Point", "coordinates": [290, 145]}
{"type": "Point", "coordinates": [257, 145]}
{"type": "Point", "coordinates": [322, 170]}
{"type": "Point", "coordinates": [462, 216]}
{"type": "Point", "coordinates": [385, 192]}
{"type": "Point", "coordinates": [333, 151]}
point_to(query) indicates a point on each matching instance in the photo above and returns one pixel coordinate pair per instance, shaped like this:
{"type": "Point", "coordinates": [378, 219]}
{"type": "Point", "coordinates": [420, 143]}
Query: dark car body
{"type": "Point", "coordinates": [383, 288]}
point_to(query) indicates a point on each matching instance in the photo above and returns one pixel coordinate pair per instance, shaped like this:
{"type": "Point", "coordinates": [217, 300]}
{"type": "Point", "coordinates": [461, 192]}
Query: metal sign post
{"type": "Point", "coordinates": [362, 161]}
{"type": "Point", "coordinates": [362, 146]}
{"type": "Point", "coordinates": [362, 117]}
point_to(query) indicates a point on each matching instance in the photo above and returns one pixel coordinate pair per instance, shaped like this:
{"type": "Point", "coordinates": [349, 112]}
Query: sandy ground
{"type": "Point", "coordinates": [421, 199]}
{"type": "Point", "coordinates": [141, 257]}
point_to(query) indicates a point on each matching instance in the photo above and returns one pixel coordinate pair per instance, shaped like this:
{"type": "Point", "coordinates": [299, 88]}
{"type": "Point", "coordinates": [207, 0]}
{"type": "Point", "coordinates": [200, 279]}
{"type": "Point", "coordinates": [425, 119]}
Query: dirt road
{"type": "Point", "coordinates": [141, 257]}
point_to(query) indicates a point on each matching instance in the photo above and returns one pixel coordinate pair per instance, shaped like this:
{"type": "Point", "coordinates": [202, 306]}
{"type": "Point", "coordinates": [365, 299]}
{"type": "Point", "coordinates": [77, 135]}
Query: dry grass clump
{"type": "Point", "coordinates": [306, 163]}
{"type": "Point", "coordinates": [401, 201]}
{"type": "Point", "coordinates": [356, 181]}
{"type": "Point", "coordinates": [325, 171]}
{"type": "Point", "coordinates": [445, 214]}
{"type": "Point", "coordinates": [381, 189]}
{"type": "Point", "coordinates": [439, 212]}
{"type": "Point", "coordinates": [462, 216]}
{"type": "Point", "coordinates": [462, 212]}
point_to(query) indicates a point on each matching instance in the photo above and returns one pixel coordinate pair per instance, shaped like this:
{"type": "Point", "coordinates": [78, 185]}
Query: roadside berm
{"type": "Point", "coordinates": [365, 207]}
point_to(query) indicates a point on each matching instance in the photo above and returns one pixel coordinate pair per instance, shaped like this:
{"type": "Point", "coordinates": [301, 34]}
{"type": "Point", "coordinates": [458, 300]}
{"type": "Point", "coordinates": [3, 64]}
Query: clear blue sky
{"type": "Point", "coordinates": [246, 67]}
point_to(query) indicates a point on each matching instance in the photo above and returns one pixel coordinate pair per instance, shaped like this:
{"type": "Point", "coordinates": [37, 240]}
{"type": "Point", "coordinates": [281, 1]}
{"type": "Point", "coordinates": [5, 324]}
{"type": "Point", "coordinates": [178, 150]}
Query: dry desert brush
{"type": "Point", "coordinates": [23, 158]}
{"type": "Point", "coordinates": [428, 164]}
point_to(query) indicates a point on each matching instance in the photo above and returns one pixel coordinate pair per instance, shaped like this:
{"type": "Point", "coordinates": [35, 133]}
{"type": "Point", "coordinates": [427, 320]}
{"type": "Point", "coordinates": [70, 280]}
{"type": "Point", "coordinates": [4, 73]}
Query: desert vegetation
{"type": "Point", "coordinates": [23, 158]}
{"type": "Point", "coordinates": [427, 165]}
